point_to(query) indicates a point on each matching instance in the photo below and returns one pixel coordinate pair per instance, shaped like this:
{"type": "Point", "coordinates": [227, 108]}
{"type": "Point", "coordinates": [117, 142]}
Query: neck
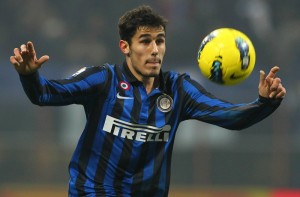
{"type": "Point", "coordinates": [150, 84]}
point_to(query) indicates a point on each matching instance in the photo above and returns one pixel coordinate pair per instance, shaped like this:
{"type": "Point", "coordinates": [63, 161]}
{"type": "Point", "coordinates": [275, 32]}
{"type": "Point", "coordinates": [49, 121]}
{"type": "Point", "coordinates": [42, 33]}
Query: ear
{"type": "Point", "coordinates": [124, 46]}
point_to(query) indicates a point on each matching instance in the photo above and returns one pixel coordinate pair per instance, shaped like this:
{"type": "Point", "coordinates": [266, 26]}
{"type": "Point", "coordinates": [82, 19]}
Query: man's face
{"type": "Point", "coordinates": [145, 54]}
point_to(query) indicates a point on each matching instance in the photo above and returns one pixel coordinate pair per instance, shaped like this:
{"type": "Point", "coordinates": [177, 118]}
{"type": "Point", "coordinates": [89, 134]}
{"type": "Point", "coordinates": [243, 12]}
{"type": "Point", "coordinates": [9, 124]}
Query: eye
{"type": "Point", "coordinates": [160, 41]}
{"type": "Point", "coordinates": [145, 41]}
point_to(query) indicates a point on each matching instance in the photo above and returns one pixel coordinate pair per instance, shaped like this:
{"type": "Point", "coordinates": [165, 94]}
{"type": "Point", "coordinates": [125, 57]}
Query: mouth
{"type": "Point", "coordinates": [153, 61]}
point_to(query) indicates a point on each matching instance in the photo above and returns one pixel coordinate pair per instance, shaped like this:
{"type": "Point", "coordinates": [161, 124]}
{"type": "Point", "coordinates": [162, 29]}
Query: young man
{"type": "Point", "coordinates": [133, 110]}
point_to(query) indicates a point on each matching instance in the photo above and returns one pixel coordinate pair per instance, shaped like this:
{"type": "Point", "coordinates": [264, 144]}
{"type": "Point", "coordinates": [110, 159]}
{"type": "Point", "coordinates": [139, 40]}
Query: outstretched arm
{"type": "Point", "coordinates": [270, 86]}
{"type": "Point", "coordinates": [25, 60]}
{"type": "Point", "coordinates": [201, 105]}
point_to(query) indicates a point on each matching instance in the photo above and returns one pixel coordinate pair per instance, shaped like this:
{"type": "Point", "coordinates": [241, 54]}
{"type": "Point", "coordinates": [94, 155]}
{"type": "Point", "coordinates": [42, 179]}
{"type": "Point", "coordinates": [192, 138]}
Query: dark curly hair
{"type": "Point", "coordinates": [142, 16]}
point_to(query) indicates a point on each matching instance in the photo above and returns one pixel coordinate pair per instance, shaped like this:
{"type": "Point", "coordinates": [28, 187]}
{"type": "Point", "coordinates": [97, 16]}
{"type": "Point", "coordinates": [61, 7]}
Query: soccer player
{"type": "Point", "coordinates": [133, 110]}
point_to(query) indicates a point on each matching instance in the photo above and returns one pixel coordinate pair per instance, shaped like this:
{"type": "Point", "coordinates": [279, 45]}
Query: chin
{"type": "Point", "coordinates": [155, 72]}
{"type": "Point", "coordinates": [152, 74]}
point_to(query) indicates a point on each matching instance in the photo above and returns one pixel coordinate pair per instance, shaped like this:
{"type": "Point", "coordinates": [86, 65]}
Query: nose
{"type": "Point", "coordinates": [154, 48]}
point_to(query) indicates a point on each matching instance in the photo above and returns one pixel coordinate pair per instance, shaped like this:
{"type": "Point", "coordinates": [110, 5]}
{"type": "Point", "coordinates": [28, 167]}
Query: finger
{"type": "Point", "coordinates": [272, 75]}
{"type": "Point", "coordinates": [282, 93]}
{"type": "Point", "coordinates": [42, 60]}
{"type": "Point", "coordinates": [18, 56]}
{"type": "Point", "coordinates": [279, 92]}
{"type": "Point", "coordinates": [275, 84]}
{"type": "Point", "coordinates": [17, 52]}
{"type": "Point", "coordinates": [14, 61]}
{"type": "Point", "coordinates": [262, 76]}
{"type": "Point", "coordinates": [30, 48]}
{"type": "Point", "coordinates": [273, 94]}
{"type": "Point", "coordinates": [23, 48]}
{"type": "Point", "coordinates": [273, 72]}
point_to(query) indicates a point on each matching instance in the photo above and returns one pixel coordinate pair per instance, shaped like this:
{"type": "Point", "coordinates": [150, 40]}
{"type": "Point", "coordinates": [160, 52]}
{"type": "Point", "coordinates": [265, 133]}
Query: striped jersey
{"type": "Point", "coordinates": [126, 146]}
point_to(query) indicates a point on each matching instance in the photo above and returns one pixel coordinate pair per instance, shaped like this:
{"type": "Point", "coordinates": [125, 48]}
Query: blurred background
{"type": "Point", "coordinates": [36, 143]}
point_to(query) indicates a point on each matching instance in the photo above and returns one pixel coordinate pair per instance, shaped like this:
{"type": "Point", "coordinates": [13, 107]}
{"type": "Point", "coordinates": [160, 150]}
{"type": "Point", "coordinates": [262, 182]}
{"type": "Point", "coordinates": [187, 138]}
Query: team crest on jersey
{"type": "Point", "coordinates": [164, 103]}
{"type": "Point", "coordinates": [124, 85]}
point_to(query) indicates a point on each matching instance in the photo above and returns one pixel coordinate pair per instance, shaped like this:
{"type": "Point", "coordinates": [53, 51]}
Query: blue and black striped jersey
{"type": "Point", "coordinates": [126, 146]}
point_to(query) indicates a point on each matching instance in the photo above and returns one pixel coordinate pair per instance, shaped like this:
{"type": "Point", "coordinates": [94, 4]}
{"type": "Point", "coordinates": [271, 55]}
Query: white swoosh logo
{"type": "Point", "coordinates": [123, 97]}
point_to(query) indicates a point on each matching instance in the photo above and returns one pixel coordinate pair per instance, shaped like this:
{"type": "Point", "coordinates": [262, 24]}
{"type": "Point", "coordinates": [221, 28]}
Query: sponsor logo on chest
{"type": "Point", "coordinates": [137, 132]}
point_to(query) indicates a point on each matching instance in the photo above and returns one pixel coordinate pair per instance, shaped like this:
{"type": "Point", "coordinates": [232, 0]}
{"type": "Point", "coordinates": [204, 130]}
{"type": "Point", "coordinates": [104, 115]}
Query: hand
{"type": "Point", "coordinates": [25, 60]}
{"type": "Point", "coordinates": [270, 86]}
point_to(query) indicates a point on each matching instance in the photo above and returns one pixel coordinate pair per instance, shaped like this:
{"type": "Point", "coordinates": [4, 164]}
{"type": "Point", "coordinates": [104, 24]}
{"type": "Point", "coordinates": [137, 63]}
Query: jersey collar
{"type": "Point", "coordinates": [132, 79]}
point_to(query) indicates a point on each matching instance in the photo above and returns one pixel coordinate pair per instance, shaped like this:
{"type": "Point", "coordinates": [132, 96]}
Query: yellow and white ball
{"type": "Point", "coordinates": [226, 56]}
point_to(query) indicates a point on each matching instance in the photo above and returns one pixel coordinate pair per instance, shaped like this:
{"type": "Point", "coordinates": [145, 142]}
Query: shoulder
{"type": "Point", "coordinates": [175, 81]}
{"type": "Point", "coordinates": [175, 76]}
{"type": "Point", "coordinates": [184, 82]}
{"type": "Point", "coordinates": [90, 70]}
{"type": "Point", "coordinates": [87, 69]}
{"type": "Point", "coordinates": [93, 75]}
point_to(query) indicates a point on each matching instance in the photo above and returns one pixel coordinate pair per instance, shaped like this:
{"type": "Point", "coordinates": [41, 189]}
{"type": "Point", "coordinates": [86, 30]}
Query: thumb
{"type": "Point", "coordinates": [262, 77]}
{"type": "Point", "coordinates": [42, 60]}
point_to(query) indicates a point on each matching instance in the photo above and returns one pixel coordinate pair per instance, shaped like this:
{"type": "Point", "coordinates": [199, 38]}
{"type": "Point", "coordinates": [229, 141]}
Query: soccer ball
{"type": "Point", "coordinates": [226, 56]}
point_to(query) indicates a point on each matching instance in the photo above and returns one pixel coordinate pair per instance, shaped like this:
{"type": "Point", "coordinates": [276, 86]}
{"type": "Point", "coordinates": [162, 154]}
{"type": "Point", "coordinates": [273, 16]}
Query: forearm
{"type": "Point", "coordinates": [243, 116]}
{"type": "Point", "coordinates": [41, 91]}
{"type": "Point", "coordinates": [32, 87]}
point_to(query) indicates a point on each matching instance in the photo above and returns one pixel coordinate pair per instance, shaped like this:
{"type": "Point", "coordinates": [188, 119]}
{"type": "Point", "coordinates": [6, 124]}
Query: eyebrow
{"type": "Point", "coordinates": [149, 35]}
